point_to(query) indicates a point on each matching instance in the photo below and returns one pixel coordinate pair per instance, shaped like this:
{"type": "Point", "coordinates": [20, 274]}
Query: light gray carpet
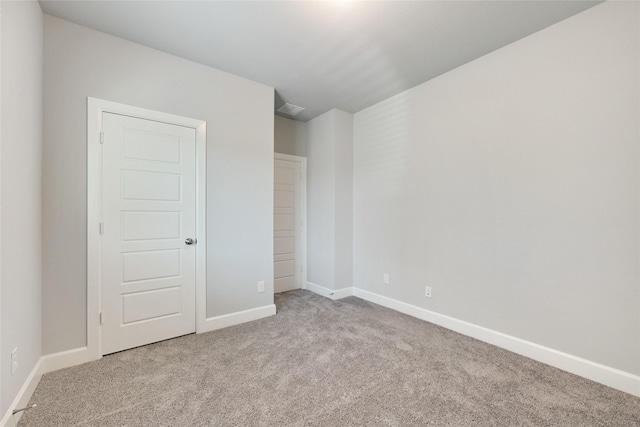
{"type": "Point", "coordinates": [324, 363]}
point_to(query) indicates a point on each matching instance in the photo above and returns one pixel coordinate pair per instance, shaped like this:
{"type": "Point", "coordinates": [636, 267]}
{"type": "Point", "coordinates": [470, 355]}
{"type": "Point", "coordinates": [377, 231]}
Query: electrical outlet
{"type": "Point", "coordinates": [385, 278]}
{"type": "Point", "coordinates": [14, 360]}
{"type": "Point", "coordinates": [261, 286]}
{"type": "Point", "coordinates": [427, 292]}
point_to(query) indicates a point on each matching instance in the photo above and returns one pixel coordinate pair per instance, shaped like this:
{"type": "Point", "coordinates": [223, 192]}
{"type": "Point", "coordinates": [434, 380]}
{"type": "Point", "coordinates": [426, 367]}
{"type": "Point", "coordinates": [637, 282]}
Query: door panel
{"type": "Point", "coordinates": [151, 304]}
{"type": "Point", "coordinates": [150, 225]}
{"type": "Point", "coordinates": [284, 245]}
{"type": "Point", "coordinates": [287, 225]}
{"type": "Point", "coordinates": [149, 201]}
{"type": "Point", "coordinates": [139, 185]}
{"type": "Point", "coordinates": [150, 265]}
{"type": "Point", "coordinates": [284, 222]}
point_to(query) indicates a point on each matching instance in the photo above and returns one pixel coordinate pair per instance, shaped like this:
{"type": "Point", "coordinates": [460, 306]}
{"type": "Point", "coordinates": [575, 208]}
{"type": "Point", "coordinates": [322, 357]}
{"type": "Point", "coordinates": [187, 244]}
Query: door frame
{"type": "Point", "coordinates": [303, 190]}
{"type": "Point", "coordinates": [95, 108]}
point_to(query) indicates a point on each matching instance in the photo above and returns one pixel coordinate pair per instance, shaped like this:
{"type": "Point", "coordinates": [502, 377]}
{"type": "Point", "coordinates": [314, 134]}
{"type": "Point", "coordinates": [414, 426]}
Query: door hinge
{"type": "Point", "coordinates": [101, 137]}
{"type": "Point", "coordinates": [101, 318]}
{"type": "Point", "coordinates": [102, 228]}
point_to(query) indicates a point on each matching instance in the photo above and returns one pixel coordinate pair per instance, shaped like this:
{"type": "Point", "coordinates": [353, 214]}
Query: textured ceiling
{"type": "Point", "coordinates": [323, 54]}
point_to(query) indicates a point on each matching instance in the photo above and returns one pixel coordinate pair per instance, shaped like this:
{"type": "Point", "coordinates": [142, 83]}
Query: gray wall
{"type": "Point", "coordinates": [511, 186]}
{"type": "Point", "coordinates": [321, 200]}
{"type": "Point", "coordinates": [343, 127]}
{"type": "Point", "coordinates": [21, 136]}
{"type": "Point", "coordinates": [329, 199]}
{"type": "Point", "coordinates": [80, 62]}
{"type": "Point", "coordinates": [290, 137]}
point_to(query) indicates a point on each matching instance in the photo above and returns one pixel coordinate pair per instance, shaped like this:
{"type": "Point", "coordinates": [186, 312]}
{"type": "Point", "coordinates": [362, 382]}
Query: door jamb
{"type": "Point", "coordinates": [303, 195]}
{"type": "Point", "coordinates": [95, 108]}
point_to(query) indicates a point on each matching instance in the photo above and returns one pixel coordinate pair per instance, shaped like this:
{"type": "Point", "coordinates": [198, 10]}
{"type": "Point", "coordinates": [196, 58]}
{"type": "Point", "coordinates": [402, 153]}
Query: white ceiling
{"type": "Point", "coordinates": [323, 54]}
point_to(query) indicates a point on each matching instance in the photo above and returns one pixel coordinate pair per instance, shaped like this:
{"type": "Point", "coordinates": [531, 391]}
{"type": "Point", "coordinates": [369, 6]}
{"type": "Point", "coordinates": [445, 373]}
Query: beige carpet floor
{"type": "Point", "coordinates": [324, 363]}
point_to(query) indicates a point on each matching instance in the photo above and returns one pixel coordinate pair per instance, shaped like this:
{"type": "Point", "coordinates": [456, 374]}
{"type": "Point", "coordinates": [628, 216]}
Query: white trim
{"type": "Point", "coordinates": [42, 123]}
{"type": "Point", "coordinates": [231, 319]}
{"type": "Point", "coordinates": [329, 293]}
{"type": "Point", "coordinates": [22, 398]}
{"type": "Point", "coordinates": [606, 375]}
{"type": "Point", "coordinates": [78, 356]}
{"type": "Point", "coordinates": [95, 108]}
{"type": "Point", "coordinates": [290, 157]}
{"type": "Point", "coordinates": [303, 195]}
{"type": "Point", "coordinates": [64, 359]}
{"type": "Point", "coordinates": [201, 226]}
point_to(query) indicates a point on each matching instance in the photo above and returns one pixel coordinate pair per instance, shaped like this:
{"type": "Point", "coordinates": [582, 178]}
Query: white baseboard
{"type": "Point", "coordinates": [226, 320]}
{"type": "Point", "coordinates": [602, 374]}
{"type": "Point", "coordinates": [606, 375]}
{"type": "Point", "coordinates": [64, 359]}
{"type": "Point", "coordinates": [329, 293]}
{"type": "Point", "coordinates": [23, 396]}
{"type": "Point", "coordinates": [46, 364]}
{"type": "Point", "coordinates": [78, 356]}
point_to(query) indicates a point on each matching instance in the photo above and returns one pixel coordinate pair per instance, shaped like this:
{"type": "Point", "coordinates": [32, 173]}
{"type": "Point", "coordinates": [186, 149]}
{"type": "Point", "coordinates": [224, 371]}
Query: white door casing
{"type": "Point", "coordinates": [289, 223]}
{"type": "Point", "coordinates": [146, 193]}
{"type": "Point", "coordinates": [148, 276]}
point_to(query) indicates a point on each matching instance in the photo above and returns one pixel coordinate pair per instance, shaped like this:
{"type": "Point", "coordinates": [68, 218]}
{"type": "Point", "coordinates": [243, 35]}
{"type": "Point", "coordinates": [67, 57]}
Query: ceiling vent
{"type": "Point", "coordinates": [290, 110]}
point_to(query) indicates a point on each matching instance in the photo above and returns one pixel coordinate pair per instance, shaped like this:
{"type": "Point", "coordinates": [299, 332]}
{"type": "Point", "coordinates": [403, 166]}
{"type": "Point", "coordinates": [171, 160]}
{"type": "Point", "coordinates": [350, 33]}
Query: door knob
{"type": "Point", "coordinates": [190, 241]}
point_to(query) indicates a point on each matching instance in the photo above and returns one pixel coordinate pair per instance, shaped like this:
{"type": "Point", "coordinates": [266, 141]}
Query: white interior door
{"type": "Point", "coordinates": [149, 211]}
{"type": "Point", "coordinates": [287, 225]}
